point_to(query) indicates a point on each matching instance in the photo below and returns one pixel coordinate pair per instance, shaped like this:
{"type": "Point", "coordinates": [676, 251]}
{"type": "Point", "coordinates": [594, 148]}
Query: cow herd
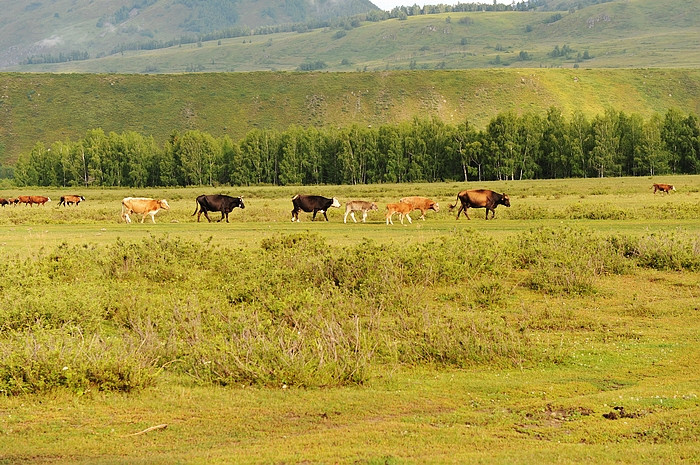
{"type": "Point", "coordinates": [204, 204]}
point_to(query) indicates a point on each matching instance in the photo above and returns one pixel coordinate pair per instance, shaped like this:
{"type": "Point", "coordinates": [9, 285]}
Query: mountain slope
{"type": "Point", "coordinates": [623, 33]}
{"type": "Point", "coordinates": [97, 27]}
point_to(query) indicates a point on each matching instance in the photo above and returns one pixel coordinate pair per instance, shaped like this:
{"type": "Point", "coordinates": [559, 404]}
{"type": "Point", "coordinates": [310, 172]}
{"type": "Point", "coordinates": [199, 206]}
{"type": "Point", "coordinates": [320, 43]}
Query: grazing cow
{"type": "Point", "coordinates": [39, 199]}
{"type": "Point", "coordinates": [667, 188]}
{"type": "Point", "coordinates": [216, 203]}
{"type": "Point", "coordinates": [402, 208]}
{"type": "Point", "coordinates": [142, 206]}
{"type": "Point", "coordinates": [421, 203]}
{"type": "Point", "coordinates": [33, 199]}
{"type": "Point", "coordinates": [480, 198]}
{"type": "Point", "coordinates": [70, 199]}
{"type": "Point", "coordinates": [25, 199]}
{"type": "Point", "coordinates": [358, 206]}
{"type": "Point", "coordinates": [4, 202]}
{"type": "Point", "coordinates": [13, 200]}
{"type": "Point", "coordinates": [312, 203]}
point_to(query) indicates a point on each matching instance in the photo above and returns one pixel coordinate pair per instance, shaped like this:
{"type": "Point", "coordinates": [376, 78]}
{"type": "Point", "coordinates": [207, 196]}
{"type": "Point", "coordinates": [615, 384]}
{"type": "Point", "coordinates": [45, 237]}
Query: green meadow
{"type": "Point", "coordinates": [563, 330]}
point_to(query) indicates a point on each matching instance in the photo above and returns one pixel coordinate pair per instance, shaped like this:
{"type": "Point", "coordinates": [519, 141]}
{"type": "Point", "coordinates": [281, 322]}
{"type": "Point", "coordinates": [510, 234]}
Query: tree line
{"type": "Point", "coordinates": [511, 146]}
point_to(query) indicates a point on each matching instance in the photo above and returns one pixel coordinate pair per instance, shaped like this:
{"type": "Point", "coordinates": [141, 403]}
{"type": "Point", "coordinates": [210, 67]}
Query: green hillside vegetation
{"type": "Point", "coordinates": [52, 107]}
{"type": "Point", "coordinates": [87, 27]}
{"type": "Point", "coordinates": [640, 33]}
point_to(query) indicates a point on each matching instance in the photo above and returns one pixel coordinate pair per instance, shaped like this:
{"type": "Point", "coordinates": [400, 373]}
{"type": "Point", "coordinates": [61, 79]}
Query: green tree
{"type": "Point", "coordinates": [606, 143]}
{"type": "Point", "coordinates": [651, 156]}
{"type": "Point", "coordinates": [680, 135]}
{"type": "Point", "coordinates": [200, 155]}
{"type": "Point", "coordinates": [503, 142]}
{"type": "Point", "coordinates": [555, 150]}
{"type": "Point", "coordinates": [580, 137]}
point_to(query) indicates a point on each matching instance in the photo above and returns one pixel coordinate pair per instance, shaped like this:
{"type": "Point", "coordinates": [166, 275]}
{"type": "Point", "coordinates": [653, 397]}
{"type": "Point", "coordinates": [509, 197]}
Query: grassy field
{"type": "Point", "coordinates": [564, 330]}
{"type": "Point", "coordinates": [607, 205]}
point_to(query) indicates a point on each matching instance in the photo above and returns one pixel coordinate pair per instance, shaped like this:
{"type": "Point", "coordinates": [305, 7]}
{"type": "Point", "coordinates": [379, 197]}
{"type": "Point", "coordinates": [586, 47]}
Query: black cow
{"type": "Point", "coordinates": [4, 202]}
{"type": "Point", "coordinates": [480, 198]}
{"type": "Point", "coordinates": [312, 203]}
{"type": "Point", "coordinates": [217, 203]}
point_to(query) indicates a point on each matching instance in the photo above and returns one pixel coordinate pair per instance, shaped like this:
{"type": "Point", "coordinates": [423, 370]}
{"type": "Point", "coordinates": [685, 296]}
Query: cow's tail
{"type": "Point", "coordinates": [295, 197]}
{"type": "Point", "coordinates": [196, 207]}
{"type": "Point", "coordinates": [451, 207]}
{"type": "Point", "coordinates": [125, 210]}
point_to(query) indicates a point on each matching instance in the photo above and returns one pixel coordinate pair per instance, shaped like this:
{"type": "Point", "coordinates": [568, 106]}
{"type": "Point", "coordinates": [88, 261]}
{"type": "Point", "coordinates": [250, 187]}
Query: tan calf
{"type": "Point", "coordinates": [402, 208]}
{"type": "Point", "coordinates": [358, 206]}
{"type": "Point", "coordinates": [423, 204]}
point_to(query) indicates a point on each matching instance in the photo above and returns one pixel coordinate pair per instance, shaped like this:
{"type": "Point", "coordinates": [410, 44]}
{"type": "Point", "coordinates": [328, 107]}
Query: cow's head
{"type": "Point", "coordinates": [82, 199]}
{"type": "Point", "coordinates": [240, 202]}
{"type": "Point", "coordinates": [435, 206]}
{"type": "Point", "coordinates": [505, 200]}
{"type": "Point", "coordinates": [335, 203]}
{"type": "Point", "coordinates": [373, 206]}
{"type": "Point", "coordinates": [164, 204]}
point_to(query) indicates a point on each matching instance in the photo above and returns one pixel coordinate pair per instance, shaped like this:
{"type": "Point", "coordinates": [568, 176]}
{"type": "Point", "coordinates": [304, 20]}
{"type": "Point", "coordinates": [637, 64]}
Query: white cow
{"type": "Point", "coordinates": [142, 206]}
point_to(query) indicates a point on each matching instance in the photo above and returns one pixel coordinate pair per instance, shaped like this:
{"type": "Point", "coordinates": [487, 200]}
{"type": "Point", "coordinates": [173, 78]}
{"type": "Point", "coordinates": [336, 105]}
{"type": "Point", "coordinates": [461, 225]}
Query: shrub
{"type": "Point", "coordinates": [667, 251]}
{"type": "Point", "coordinates": [566, 259]}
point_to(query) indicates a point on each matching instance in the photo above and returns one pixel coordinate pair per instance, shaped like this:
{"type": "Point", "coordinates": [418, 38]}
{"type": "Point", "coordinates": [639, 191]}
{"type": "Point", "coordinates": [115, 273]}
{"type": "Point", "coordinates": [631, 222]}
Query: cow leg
{"type": "Point", "coordinates": [222, 216]}
{"type": "Point", "coordinates": [345, 218]}
{"type": "Point", "coordinates": [364, 216]}
{"type": "Point", "coordinates": [409, 218]}
{"type": "Point", "coordinates": [487, 213]}
{"type": "Point", "coordinates": [353, 216]}
{"type": "Point", "coordinates": [326, 216]}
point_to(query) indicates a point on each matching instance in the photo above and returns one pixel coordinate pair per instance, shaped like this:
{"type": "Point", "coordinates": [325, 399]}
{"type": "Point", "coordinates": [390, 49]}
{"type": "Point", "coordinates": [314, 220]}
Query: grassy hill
{"type": "Point", "coordinates": [97, 27]}
{"type": "Point", "coordinates": [630, 33]}
{"type": "Point", "coordinates": [49, 107]}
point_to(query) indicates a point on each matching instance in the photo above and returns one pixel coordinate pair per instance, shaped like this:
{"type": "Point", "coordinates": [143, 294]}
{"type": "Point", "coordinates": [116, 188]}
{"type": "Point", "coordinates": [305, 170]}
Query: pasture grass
{"type": "Point", "coordinates": [543, 337]}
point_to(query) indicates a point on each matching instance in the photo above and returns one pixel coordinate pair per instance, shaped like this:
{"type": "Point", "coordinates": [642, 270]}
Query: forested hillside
{"type": "Point", "coordinates": [69, 30]}
{"type": "Point", "coordinates": [511, 147]}
{"type": "Point", "coordinates": [619, 33]}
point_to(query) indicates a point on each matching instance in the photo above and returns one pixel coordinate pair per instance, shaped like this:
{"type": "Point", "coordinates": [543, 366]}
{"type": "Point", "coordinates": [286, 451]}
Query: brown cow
{"type": "Point", "coordinates": [142, 206]}
{"type": "Point", "coordinates": [402, 208]}
{"type": "Point", "coordinates": [4, 202]}
{"type": "Point", "coordinates": [70, 199]}
{"type": "Point", "coordinates": [421, 203]}
{"type": "Point", "coordinates": [667, 188]}
{"type": "Point", "coordinates": [39, 199]}
{"type": "Point", "coordinates": [13, 200]}
{"type": "Point", "coordinates": [25, 199]}
{"type": "Point", "coordinates": [33, 199]}
{"type": "Point", "coordinates": [480, 198]}
{"type": "Point", "coordinates": [358, 206]}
